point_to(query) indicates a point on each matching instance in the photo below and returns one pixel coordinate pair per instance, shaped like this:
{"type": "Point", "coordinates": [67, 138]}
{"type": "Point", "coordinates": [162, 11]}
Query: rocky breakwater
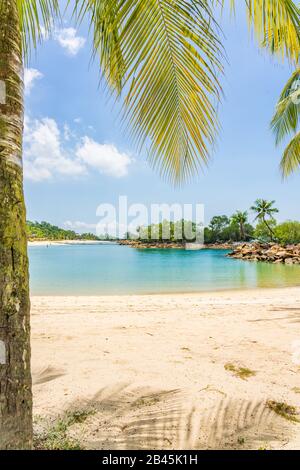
{"type": "Point", "coordinates": [270, 253]}
{"type": "Point", "coordinates": [152, 244]}
{"type": "Point", "coordinates": [172, 245]}
{"type": "Point", "coordinates": [219, 246]}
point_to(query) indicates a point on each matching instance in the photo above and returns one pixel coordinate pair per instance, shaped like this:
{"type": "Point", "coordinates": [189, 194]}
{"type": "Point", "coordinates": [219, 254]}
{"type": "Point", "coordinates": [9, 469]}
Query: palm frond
{"type": "Point", "coordinates": [36, 21]}
{"type": "Point", "coordinates": [167, 55]}
{"type": "Point", "coordinates": [286, 117]}
{"type": "Point", "coordinates": [291, 158]}
{"type": "Point", "coordinates": [106, 41]}
{"type": "Point", "coordinates": [277, 25]}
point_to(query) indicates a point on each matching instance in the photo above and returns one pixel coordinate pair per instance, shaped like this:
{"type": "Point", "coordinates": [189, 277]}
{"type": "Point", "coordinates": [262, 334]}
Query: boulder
{"type": "Point", "coordinates": [272, 253]}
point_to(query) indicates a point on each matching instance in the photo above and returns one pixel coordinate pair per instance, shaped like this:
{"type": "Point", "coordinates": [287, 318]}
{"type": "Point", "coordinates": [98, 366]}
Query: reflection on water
{"type": "Point", "coordinates": [276, 275]}
{"type": "Point", "coordinates": [113, 269]}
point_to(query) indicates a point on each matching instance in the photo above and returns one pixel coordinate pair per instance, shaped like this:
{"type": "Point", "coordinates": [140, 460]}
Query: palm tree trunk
{"type": "Point", "coordinates": [269, 228]}
{"type": "Point", "coordinates": [15, 377]}
{"type": "Point", "coordinates": [242, 231]}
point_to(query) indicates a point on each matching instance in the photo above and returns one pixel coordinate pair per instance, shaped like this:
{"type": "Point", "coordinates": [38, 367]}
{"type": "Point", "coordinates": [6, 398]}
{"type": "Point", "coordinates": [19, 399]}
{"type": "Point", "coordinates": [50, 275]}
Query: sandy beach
{"type": "Point", "coordinates": [67, 242]}
{"type": "Point", "coordinates": [190, 371]}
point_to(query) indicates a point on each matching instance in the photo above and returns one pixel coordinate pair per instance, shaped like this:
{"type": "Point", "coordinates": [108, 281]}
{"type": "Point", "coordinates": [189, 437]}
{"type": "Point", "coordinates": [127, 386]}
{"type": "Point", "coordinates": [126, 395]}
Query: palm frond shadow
{"type": "Point", "coordinates": [139, 418]}
{"type": "Point", "coordinates": [46, 374]}
{"type": "Point", "coordinates": [293, 313]}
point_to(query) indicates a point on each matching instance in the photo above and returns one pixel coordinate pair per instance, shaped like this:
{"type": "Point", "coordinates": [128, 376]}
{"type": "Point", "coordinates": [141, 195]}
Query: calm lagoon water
{"type": "Point", "coordinates": [114, 269]}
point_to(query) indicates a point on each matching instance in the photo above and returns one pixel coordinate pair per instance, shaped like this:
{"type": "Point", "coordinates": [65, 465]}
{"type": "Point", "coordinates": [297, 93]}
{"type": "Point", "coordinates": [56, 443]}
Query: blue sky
{"type": "Point", "coordinates": [77, 155]}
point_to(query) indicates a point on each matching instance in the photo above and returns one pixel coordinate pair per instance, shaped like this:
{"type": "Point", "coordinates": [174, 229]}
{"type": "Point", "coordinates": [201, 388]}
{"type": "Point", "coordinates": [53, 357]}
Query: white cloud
{"type": "Point", "coordinates": [104, 157]}
{"type": "Point", "coordinates": [30, 77]}
{"type": "Point", "coordinates": [68, 39]}
{"type": "Point", "coordinates": [50, 152]}
{"type": "Point", "coordinates": [44, 156]}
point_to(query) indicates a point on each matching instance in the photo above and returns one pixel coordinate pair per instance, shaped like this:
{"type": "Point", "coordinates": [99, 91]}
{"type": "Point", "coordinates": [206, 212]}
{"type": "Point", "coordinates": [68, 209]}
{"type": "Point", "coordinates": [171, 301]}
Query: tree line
{"type": "Point", "coordinates": [238, 228]}
{"type": "Point", "coordinates": [45, 231]}
{"type": "Point", "coordinates": [222, 228]}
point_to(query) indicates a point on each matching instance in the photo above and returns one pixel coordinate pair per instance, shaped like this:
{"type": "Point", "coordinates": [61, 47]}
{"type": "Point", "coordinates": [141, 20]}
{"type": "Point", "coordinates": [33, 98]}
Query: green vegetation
{"type": "Point", "coordinates": [240, 219]}
{"type": "Point", "coordinates": [221, 229]}
{"type": "Point", "coordinates": [262, 233]}
{"type": "Point", "coordinates": [46, 231]}
{"type": "Point", "coordinates": [56, 436]}
{"type": "Point", "coordinates": [241, 372]}
{"type": "Point", "coordinates": [288, 232]}
{"type": "Point", "coordinates": [265, 211]}
{"type": "Point", "coordinates": [283, 409]}
{"type": "Point", "coordinates": [225, 229]}
{"type": "Point", "coordinates": [285, 124]}
{"type": "Point", "coordinates": [180, 231]}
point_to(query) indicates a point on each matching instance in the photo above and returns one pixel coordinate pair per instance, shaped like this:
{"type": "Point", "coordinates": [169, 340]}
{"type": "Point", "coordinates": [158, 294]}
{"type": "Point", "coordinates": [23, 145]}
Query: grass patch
{"type": "Point", "coordinates": [241, 372]}
{"type": "Point", "coordinates": [283, 409]}
{"type": "Point", "coordinates": [56, 437]}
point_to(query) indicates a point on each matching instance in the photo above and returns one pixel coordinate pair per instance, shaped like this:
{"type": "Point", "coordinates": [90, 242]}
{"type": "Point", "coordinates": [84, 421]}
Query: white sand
{"type": "Point", "coordinates": [152, 367]}
{"type": "Point", "coordinates": [68, 242]}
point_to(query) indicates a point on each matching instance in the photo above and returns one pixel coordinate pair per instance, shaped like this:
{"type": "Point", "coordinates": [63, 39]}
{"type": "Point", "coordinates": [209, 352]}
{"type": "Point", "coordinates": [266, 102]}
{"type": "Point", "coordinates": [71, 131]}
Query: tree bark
{"type": "Point", "coordinates": [269, 228]}
{"type": "Point", "coordinates": [15, 376]}
{"type": "Point", "coordinates": [242, 230]}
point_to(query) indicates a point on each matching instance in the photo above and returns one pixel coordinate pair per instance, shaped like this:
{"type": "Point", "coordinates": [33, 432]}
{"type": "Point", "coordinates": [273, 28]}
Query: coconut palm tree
{"type": "Point", "coordinates": [240, 218]}
{"type": "Point", "coordinates": [16, 17]}
{"type": "Point", "coordinates": [265, 209]}
{"type": "Point", "coordinates": [168, 56]}
{"type": "Point", "coordinates": [285, 123]}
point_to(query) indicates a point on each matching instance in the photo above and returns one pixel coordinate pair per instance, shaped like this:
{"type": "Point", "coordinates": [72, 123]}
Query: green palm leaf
{"type": "Point", "coordinates": [285, 122]}
{"type": "Point", "coordinates": [276, 24]}
{"type": "Point", "coordinates": [106, 37]}
{"type": "Point", "coordinates": [167, 56]}
{"type": "Point", "coordinates": [36, 20]}
{"type": "Point", "coordinates": [286, 116]}
{"type": "Point", "coordinates": [291, 158]}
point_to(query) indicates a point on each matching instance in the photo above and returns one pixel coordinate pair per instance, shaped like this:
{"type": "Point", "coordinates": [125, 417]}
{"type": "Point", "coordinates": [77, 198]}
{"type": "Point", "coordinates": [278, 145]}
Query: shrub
{"type": "Point", "coordinates": [288, 232]}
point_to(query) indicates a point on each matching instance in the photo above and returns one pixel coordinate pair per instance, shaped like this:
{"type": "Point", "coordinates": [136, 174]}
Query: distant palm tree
{"type": "Point", "coordinates": [264, 209]}
{"type": "Point", "coordinates": [241, 218]}
{"type": "Point", "coordinates": [168, 55]}
{"type": "Point", "coordinates": [285, 122]}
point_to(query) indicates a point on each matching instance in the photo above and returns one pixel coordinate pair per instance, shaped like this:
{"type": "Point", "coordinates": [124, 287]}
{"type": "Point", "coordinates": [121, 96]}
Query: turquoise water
{"type": "Point", "coordinates": [114, 269]}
